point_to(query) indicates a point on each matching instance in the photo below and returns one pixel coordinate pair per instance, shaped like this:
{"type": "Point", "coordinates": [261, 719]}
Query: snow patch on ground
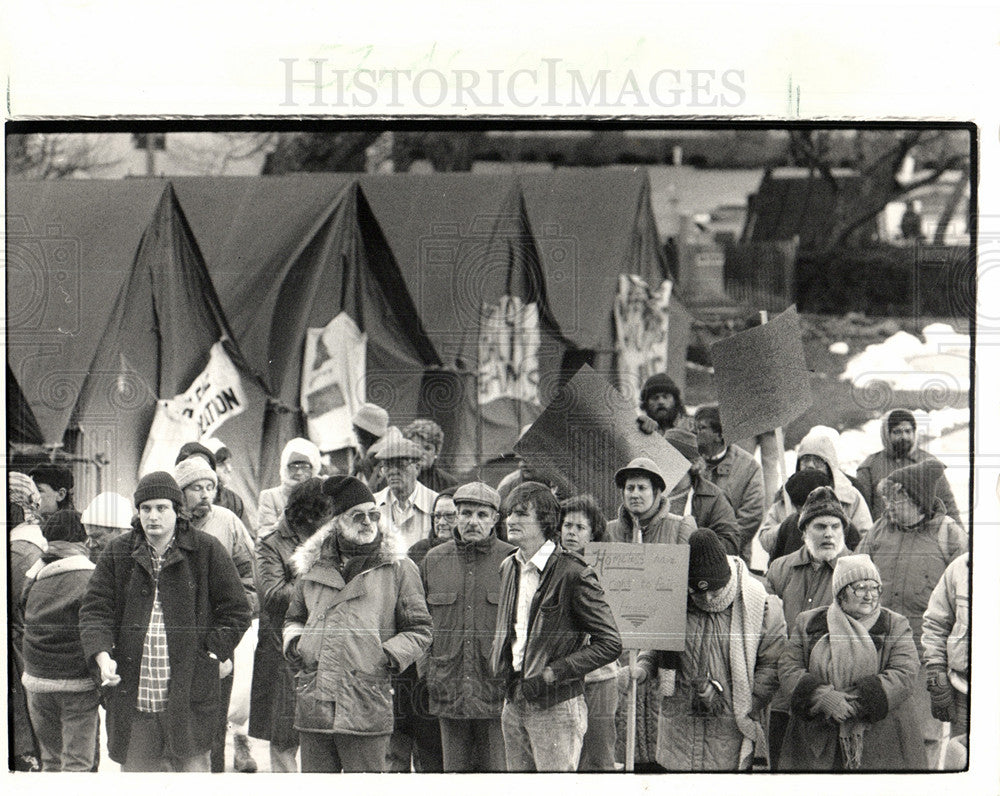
{"type": "Point", "coordinates": [939, 364]}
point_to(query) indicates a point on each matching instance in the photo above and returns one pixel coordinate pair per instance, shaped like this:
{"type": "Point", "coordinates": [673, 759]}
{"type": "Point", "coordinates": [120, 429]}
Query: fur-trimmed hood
{"type": "Point", "coordinates": [308, 553]}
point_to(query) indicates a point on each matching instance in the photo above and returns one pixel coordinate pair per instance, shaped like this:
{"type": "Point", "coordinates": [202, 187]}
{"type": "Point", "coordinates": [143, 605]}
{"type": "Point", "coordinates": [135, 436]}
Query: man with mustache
{"type": "Point", "coordinates": [899, 440]}
{"type": "Point", "coordinates": [661, 404]}
{"type": "Point", "coordinates": [198, 483]}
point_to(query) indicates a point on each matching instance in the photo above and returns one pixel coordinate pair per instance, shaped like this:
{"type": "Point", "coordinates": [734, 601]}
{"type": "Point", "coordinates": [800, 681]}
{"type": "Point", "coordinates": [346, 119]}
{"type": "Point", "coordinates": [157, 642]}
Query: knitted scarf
{"type": "Point", "coordinates": [841, 657]}
{"type": "Point", "coordinates": [355, 558]}
{"type": "Point", "coordinates": [747, 598]}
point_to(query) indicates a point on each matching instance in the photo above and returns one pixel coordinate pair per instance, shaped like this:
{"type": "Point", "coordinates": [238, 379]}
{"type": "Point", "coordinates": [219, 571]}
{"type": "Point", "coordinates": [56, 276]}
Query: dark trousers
{"type": "Point", "coordinates": [415, 743]}
{"type": "Point", "coordinates": [598, 753]}
{"type": "Point", "coordinates": [221, 725]}
{"type": "Point", "coordinates": [147, 747]}
{"type": "Point", "coordinates": [777, 723]}
{"type": "Point", "coordinates": [332, 753]}
{"type": "Point", "coordinates": [473, 745]}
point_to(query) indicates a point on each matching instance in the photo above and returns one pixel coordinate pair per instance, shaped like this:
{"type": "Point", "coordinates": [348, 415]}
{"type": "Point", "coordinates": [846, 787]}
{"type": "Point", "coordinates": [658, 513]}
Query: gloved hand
{"type": "Point", "coordinates": [646, 424]}
{"type": "Point", "coordinates": [835, 705]}
{"type": "Point", "coordinates": [942, 694]}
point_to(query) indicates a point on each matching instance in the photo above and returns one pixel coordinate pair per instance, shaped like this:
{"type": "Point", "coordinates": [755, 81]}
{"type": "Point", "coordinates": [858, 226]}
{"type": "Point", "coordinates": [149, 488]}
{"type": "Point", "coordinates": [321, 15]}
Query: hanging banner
{"type": "Point", "coordinates": [509, 339]}
{"type": "Point", "coordinates": [214, 396]}
{"type": "Point", "coordinates": [333, 381]}
{"type": "Point", "coordinates": [642, 330]}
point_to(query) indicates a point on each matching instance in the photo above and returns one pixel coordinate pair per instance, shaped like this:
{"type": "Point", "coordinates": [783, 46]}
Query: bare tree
{"type": "Point", "coordinates": [878, 158]}
{"type": "Point", "coordinates": [214, 154]}
{"type": "Point", "coordinates": [47, 156]}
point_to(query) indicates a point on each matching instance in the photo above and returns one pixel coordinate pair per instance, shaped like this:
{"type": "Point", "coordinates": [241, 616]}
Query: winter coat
{"type": "Point", "coordinates": [228, 499]}
{"type": "Point", "coordinates": [26, 545]}
{"type": "Point", "coordinates": [945, 638]}
{"type": "Point", "coordinates": [711, 509]}
{"type": "Point", "coordinates": [205, 610]}
{"type": "Point", "coordinates": [816, 443]}
{"type": "Point", "coordinates": [912, 560]}
{"type": "Point", "coordinates": [663, 528]}
{"type": "Point", "coordinates": [51, 602]}
{"type": "Point", "coordinates": [892, 740]}
{"type": "Point", "coordinates": [270, 507]}
{"type": "Point", "coordinates": [462, 583]}
{"type": "Point", "coordinates": [568, 605]}
{"type": "Point", "coordinates": [740, 477]}
{"type": "Point", "coordinates": [220, 523]}
{"type": "Point", "coordinates": [801, 587]}
{"type": "Point", "coordinates": [437, 479]}
{"type": "Point", "coordinates": [272, 691]}
{"type": "Point", "coordinates": [343, 633]}
{"type": "Point", "coordinates": [418, 552]}
{"type": "Point", "coordinates": [880, 464]}
{"type": "Point", "coordinates": [687, 739]}
{"type": "Point", "coordinates": [790, 538]}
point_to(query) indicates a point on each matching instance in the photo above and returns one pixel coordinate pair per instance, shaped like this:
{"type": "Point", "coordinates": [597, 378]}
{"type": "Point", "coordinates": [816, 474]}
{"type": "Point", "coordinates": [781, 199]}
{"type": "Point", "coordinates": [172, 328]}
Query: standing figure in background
{"type": "Point", "coordinates": [300, 459]}
{"type": "Point", "coordinates": [55, 489]}
{"type": "Point", "coordinates": [429, 436]}
{"type": "Point", "coordinates": [107, 516]}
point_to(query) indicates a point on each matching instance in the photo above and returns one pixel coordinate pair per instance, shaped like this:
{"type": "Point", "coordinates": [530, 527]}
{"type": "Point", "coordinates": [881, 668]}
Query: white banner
{"type": "Point", "coordinates": [333, 381]}
{"type": "Point", "coordinates": [509, 338]}
{"type": "Point", "coordinates": [213, 397]}
{"type": "Point", "coordinates": [642, 326]}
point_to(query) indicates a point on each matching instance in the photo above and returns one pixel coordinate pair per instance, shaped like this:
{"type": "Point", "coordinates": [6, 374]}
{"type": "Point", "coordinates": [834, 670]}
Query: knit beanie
{"type": "Point", "coordinates": [109, 510]}
{"type": "Point", "coordinates": [64, 526]}
{"type": "Point", "coordinates": [189, 449]}
{"type": "Point", "coordinates": [708, 567]}
{"type": "Point", "coordinates": [799, 485]}
{"type": "Point", "coordinates": [685, 441]}
{"type": "Point", "coordinates": [55, 475]}
{"type": "Point", "coordinates": [194, 469]}
{"type": "Point", "coordinates": [659, 383]}
{"type": "Point", "coordinates": [897, 416]}
{"type": "Point", "coordinates": [158, 486]}
{"type": "Point", "coordinates": [850, 569]}
{"type": "Point", "coordinates": [346, 491]}
{"type": "Point", "coordinates": [822, 502]}
{"type": "Point", "coordinates": [920, 482]}
{"type": "Point", "coordinates": [22, 491]}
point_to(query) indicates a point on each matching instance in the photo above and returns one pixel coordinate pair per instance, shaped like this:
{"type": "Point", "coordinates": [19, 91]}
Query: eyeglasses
{"type": "Point", "coordinates": [864, 589]}
{"type": "Point", "coordinates": [300, 466]}
{"type": "Point", "coordinates": [451, 516]}
{"type": "Point", "coordinates": [358, 517]}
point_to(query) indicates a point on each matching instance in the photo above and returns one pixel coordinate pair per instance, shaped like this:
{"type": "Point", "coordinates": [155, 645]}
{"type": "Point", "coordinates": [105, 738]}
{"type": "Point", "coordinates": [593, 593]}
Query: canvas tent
{"type": "Point", "coordinates": [125, 314]}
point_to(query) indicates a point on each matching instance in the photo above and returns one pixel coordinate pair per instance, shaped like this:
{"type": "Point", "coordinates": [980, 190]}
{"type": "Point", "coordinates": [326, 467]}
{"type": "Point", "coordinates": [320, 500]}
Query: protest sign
{"type": "Point", "coordinates": [586, 433]}
{"type": "Point", "coordinates": [646, 587]}
{"type": "Point", "coordinates": [333, 381]}
{"type": "Point", "coordinates": [761, 377]}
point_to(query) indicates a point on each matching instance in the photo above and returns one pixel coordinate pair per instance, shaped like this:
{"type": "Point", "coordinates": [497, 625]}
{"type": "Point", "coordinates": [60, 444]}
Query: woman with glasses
{"type": "Point", "coordinates": [356, 617]}
{"type": "Point", "coordinates": [444, 521]}
{"type": "Point", "coordinates": [851, 669]}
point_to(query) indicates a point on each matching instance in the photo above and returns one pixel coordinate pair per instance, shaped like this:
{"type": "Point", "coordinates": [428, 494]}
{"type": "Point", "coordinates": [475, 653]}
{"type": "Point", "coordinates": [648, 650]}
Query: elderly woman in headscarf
{"type": "Point", "coordinates": [851, 668]}
{"type": "Point", "coordinates": [300, 460]}
{"type": "Point", "coordinates": [356, 617]}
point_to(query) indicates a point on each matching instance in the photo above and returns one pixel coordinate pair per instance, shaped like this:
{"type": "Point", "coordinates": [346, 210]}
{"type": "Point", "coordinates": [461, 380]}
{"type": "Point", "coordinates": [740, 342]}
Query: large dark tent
{"type": "Point", "coordinates": [128, 316]}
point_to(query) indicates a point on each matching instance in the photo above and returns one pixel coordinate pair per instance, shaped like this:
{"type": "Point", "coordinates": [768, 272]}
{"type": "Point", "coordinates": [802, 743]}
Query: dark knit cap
{"type": "Point", "coordinates": [685, 441]}
{"type": "Point", "coordinates": [920, 481]}
{"type": "Point", "coordinates": [822, 502]}
{"type": "Point", "coordinates": [189, 449]}
{"type": "Point", "coordinates": [897, 416]}
{"type": "Point", "coordinates": [708, 567]}
{"type": "Point", "coordinates": [64, 526]}
{"type": "Point", "coordinates": [346, 491]}
{"type": "Point", "coordinates": [657, 383]}
{"type": "Point", "coordinates": [800, 484]}
{"type": "Point", "coordinates": [54, 475]}
{"type": "Point", "coordinates": [158, 486]}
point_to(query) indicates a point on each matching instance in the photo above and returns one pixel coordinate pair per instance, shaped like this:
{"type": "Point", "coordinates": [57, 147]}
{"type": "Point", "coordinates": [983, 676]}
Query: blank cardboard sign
{"type": "Point", "coordinates": [761, 377]}
{"type": "Point", "coordinates": [586, 433]}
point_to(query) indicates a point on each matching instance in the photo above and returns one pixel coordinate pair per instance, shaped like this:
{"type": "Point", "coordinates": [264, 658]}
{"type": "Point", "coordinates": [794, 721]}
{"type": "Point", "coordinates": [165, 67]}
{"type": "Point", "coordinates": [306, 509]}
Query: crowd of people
{"type": "Point", "coordinates": [397, 618]}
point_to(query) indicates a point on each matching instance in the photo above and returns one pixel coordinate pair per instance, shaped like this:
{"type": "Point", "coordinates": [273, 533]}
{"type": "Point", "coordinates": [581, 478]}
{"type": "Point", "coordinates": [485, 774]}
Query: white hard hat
{"type": "Point", "coordinates": [109, 510]}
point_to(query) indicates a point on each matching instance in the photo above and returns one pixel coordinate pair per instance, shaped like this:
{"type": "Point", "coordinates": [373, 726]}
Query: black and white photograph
{"type": "Point", "coordinates": [471, 447]}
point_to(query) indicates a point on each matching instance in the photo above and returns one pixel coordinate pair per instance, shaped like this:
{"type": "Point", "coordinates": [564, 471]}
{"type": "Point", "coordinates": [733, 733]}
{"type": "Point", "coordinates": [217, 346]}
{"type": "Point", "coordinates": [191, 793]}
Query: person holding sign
{"type": "Point", "coordinates": [660, 405]}
{"type": "Point", "coordinates": [712, 693]}
{"type": "Point", "coordinates": [553, 626]}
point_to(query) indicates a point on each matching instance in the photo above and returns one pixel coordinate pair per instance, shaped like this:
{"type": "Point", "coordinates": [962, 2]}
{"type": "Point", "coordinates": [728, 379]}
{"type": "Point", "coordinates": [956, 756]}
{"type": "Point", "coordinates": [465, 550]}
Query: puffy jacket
{"type": "Point", "coordinates": [739, 476]}
{"type": "Point", "coordinates": [687, 739]}
{"type": "Point", "coordinates": [568, 605]}
{"type": "Point", "coordinates": [945, 636]}
{"type": "Point", "coordinates": [877, 466]}
{"type": "Point", "coordinates": [892, 738]}
{"type": "Point", "coordinates": [462, 582]}
{"type": "Point", "coordinates": [818, 443]}
{"type": "Point", "coordinates": [205, 610]}
{"type": "Point", "coordinates": [343, 632]}
{"type": "Point", "coordinates": [663, 528]}
{"type": "Point", "coordinates": [912, 560]}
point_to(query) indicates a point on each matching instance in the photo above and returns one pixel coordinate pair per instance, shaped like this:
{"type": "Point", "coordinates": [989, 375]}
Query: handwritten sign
{"type": "Point", "coordinates": [646, 587]}
{"type": "Point", "coordinates": [761, 377]}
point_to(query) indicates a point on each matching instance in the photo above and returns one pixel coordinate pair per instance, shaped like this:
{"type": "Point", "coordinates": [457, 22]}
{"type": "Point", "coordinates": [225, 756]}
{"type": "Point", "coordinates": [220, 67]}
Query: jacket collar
{"type": "Point", "coordinates": [29, 532]}
{"type": "Point", "coordinates": [76, 563]}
